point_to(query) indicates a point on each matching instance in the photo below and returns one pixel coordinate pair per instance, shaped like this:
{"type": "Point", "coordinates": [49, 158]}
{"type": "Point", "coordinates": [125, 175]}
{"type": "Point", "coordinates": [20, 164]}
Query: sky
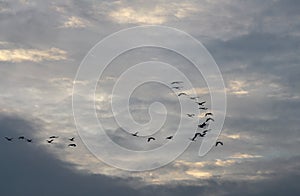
{"type": "Point", "coordinates": [255, 45]}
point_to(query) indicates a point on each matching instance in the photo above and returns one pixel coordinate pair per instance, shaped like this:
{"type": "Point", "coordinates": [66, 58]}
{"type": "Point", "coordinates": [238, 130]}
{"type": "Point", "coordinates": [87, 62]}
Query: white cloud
{"type": "Point", "coordinates": [75, 22]}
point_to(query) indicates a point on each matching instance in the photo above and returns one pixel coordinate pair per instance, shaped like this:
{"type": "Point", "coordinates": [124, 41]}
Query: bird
{"type": "Point", "coordinates": [205, 131]}
{"type": "Point", "coordinates": [21, 137]}
{"type": "Point", "coordinates": [202, 135]}
{"type": "Point", "coordinates": [29, 140]}
{"type": "Point", "coordinates": [193, 98]}
{"type": "Point", "coordinates": [135, 134]}
{"type": "Point", "coordinates": [201, 103]}
{"type": "Point", "coordinates": [209, 119]}
{"type": "Point", "coordinates": [150, 138]}
{"type": "Point", "coordinates": [176, 87]}
{"type": "Point", "coordinates": [53, 137]}
{"type": "Point", "coordinates": [203, 108]}
{"type": "Point", "coordinates": [181, 94]}
{"type": "Point", "coordinates": [195, 136]}
{"type": "Point", "coordinates": [9, 138]}
{"type": "Point", "coordinates": [176, 82]}
{"type": "Point", "coordinates": [72, 145]}
{"type": "Point", "coordinates": [72, 139]}
{"type": "Point", "coordinates": [50, 141]}
{"type": "Point", "coordinates": [190, 115]}
{"type": "Point", "coordinates": [169, 137]}
{"type": "Point", "coordinates": [208, 113]}
{"type": "Point", "coordinates": [202, 125]}
{"type": "Point", "coordinates": [218, 142]}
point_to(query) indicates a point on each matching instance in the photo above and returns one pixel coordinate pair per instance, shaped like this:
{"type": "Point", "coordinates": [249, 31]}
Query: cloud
{"type": "Point", "coordinates": [34, 55]}
{"type": "Point", "coordinates": [75, 22]}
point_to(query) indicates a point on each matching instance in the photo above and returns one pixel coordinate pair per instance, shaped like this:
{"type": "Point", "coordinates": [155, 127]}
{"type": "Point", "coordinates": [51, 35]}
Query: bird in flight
{"type": "Point", "coordinates": [9, 138]}
{"type": "Point", "coordinates": [209, 119]}
{"type": "Point", "coordinates": [72, 139]}
{"type": "Point", "coordinates": [53, 137]}
{"type": "Point", "coordinates": [180, 94]}
{"type": "Point", "coordinates": [50, 141]}
{"type": "Point", "coordinates": [195, 136]}
{"type": "Point", "coordinates": [208, 113]}
{"type": "Point", "coordinates": [202, 125]}
{"type": "Point", "coordinates": [72, 145]}
{"type": "Point", "coordinates": [190, 115]}
{"type": "Point", "coordinates": [169, 137]}
{"type": "Point", "coordinates": [201, 103]}
{"type": "Point", "coordinates": [21, 137]}
{"type": "Point", "coordinates": [218, 142]}
{"type": "Point", "coordinates": [203, 108]}
{"type": "Point", "coordinates": [150, 138]}
{"type": "Point", "coordinates": [176, 82]}
{"type": "Point", "coordinates": [194, 98]}
{"type": "Point", "coordinates": [29, 140]}
{"type": "Point", "coordinates": [135, 134]}
{"type": "Point", "coordinates": [176, 87]}
{"type": "Point", "coordinates": [205, 131]}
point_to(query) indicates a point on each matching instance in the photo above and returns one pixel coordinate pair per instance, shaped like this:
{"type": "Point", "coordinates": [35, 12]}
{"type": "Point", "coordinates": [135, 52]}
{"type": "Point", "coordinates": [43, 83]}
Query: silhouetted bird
{"type": "Point", "coordinates": [169, 137]}
{"type": "Point", "coordinates": [50, 141]}
{"type": "Point", "coordinates": [176, 82]}
{"type": "Point", "coordinates": [150, 138]}
{"type": "Point", "coordinates": [195, 136]}
{"type": "Point", "coordinates": [205, 131]}
{"type": "Point", "coordinates": [202, 135]}
{"type": "Point", "coordinates": [203, 108]}
{"type": "Point", "coordinates": [201, 103]}
{"type": "Point", "coordinates": [53, 137]}
{"type": "Point", "coordinates": [194, 98]}
{"type": "Point", "coordinates": [72, 145]}
{"type": "Point", "coordinates": [176, 87]}
{"type": "Point", "coordinates": [29, 140]}
{"type": "Point", "coordinates": [9, 138]}
{"type": "Point", "coordinates": [180, 94]}
{"type": "Point", "coordinates": [135, 134]}
{"type": "Point", "coordinates": [209, 119]}
{"type": "Point", "coordinates": [208, 113]}
{"type": "Point", "coordinates": [21, 138]}
{"type": "Point", "coordinates": [221, 143]}
{"type": "Point", "coordinates": [190, 115]}
{"type": "Point", "coordinates": [72, 139]}
{"type": "Point", "coordinates": [202, 125]}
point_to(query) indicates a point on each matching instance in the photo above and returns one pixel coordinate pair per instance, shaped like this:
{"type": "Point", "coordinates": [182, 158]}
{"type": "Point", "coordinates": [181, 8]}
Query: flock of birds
{"type": "Point", "coordinates": [204, 125]}
{"type": "Point", "coordinates": [174, 85]}
{"type": "Point", "coordinates": [49, 140]}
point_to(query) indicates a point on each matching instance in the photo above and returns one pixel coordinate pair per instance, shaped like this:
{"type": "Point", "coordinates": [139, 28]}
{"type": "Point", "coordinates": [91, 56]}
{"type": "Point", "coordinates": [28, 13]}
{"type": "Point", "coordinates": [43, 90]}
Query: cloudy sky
{"type": "Point", "coordinates": [255, 44]}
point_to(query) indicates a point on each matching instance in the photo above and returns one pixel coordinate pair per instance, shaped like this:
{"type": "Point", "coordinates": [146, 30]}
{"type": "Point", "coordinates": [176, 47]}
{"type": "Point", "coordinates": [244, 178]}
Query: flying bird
{"type": "Point", "coordinates": [177, 87]}
{"type": "Point", "coordinates": [176, 82]}
{"type": "Point", "coordinates": [180, 94]}
{"type": "Point", "coordinates": [201, 103]}
{"type": "Point", "coordinates": [202, 125]}
{"type": "Point", "coordinates": [209, 119]}
{"type": "Point", "coordinates": [217, 143]}
{"type": "Point", "coordinates": [72, 145]}
{"type": "Point", "coordinates": [195, 136]}
{"type": "Point", "coordinates": [208, 113]}
{"type": "Point", "coordinates": [190, 115]}
{"type": "Point", "coordinates": [53, 137]}
{"type": "Point", "coordinates": [29, 140]}
{"type": "Point", "coordinates": [193, 98]}
{"type": "Point", "coordinates": [9, 138]}
{"type": "Point", "coordinates": [50, 141]}
{"type": "Point", "coordinates": [135, 134]}
{"type": "Point", "coordinates": [72, 139]}
{"type": "Point", "coordinates": [21, 137]}
{"type": "Point", "coordinates": [150, 138]}
{"type": "Point", "coordinates": [203, 108]}
{"type": "Point", "coordinates": [205, 131]}
{"type": "Point", "coordinates": [169, 137]}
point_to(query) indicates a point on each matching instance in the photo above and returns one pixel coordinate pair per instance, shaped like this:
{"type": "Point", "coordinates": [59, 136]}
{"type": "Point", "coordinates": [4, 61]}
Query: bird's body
{"type": "Point", "coordinates": [201, 103]}
{"type": "Point", "coordinates": [150, 138]}
{"type": "Point", "coordinates": [169, 137]}
{"type": "Point", "coordinates": [218, 142]}
{"type": "Point", "coordinates": [72, 145]}
{"type": "Point", "coordinates": [195, 136]}
{"type": "Point", "coordinates": [180, 94]}
{"type": "Point", "coordinates": [202, 125]}
{"type": "Point", "coordinates": [50, 141]}
{"type": "Point", "coordinates": [21, 137]}
{"type": "Point", "coordinates": [194, 98]}
{"type": "Point", "coordinates": [176, 82]}
{"type": "Point", "coordinates": [72, 139]}
{"type": "Point", "coordinates": [176, 87]}
{"type": "Point", "coordinates": [208, 113]}
{"type": "Point", "coordinates": [190, 115]}
{"type": "Point", "coordinates": [209, 119]}
{"type": "Point", "coordinates": [135, 134]}
{"type": "Point", "coordinates": [29, 140]}
{"type": "Point", "coordinates": [53, 137]}
{"type": "Point", "coordinates": [9, 138]}
{"type": "Point", "coordinates": [203, 108]}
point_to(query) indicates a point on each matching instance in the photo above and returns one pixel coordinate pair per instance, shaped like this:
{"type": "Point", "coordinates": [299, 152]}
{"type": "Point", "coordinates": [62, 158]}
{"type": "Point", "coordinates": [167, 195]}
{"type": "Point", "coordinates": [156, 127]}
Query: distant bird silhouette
{"type": "Point", "coordinates": [190, 115]}
{"type": "Point", "coordinates": [176, 82]}
{"type": "Point", "coordinates": [9, 138]}
{"type": "Point", "coordinates": [176, 87]}
{"type": "Point", "coordinates": [202, 125]}
{"type": "Point", "coordinates": [194, 98]}
{"type": "Point", "coordinates": [72, 145]}
{"type": "Point", "coordinates": [150, 138]}
{"type": "Point", "coordinates": [208, 113]}
{"type": "Point", "coordinates": [217, 143]}
{"type": "Point", "coordinates": [201, 103]}
{"type": "Point", "coordinates": [202, 135]}
{"type": "Point", "coordinates": [135, 134]}
{"type": "Point", "coordinates": [53, 137]}
{"type": "Point", "coordinates": [203, 108]}
{"type": "Point", "coordinates": [21, 137]}
{"type": "Point", "coordinates": [180, 94]}
{"type": "Point", "coordinates": [169, 137]}
{"type": "Point", "coordinates": [195, 136]}
{"type": "Point", "coordinates": [29, 140]}
{"type": "Point", "coordinates": [205, 131]}
{"type": "Point", "coordinates": [72, 139]}
{"type": "Point", "coordinates": [209, 119]}
{"type": "Point", "coordinates": [50, 141]}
